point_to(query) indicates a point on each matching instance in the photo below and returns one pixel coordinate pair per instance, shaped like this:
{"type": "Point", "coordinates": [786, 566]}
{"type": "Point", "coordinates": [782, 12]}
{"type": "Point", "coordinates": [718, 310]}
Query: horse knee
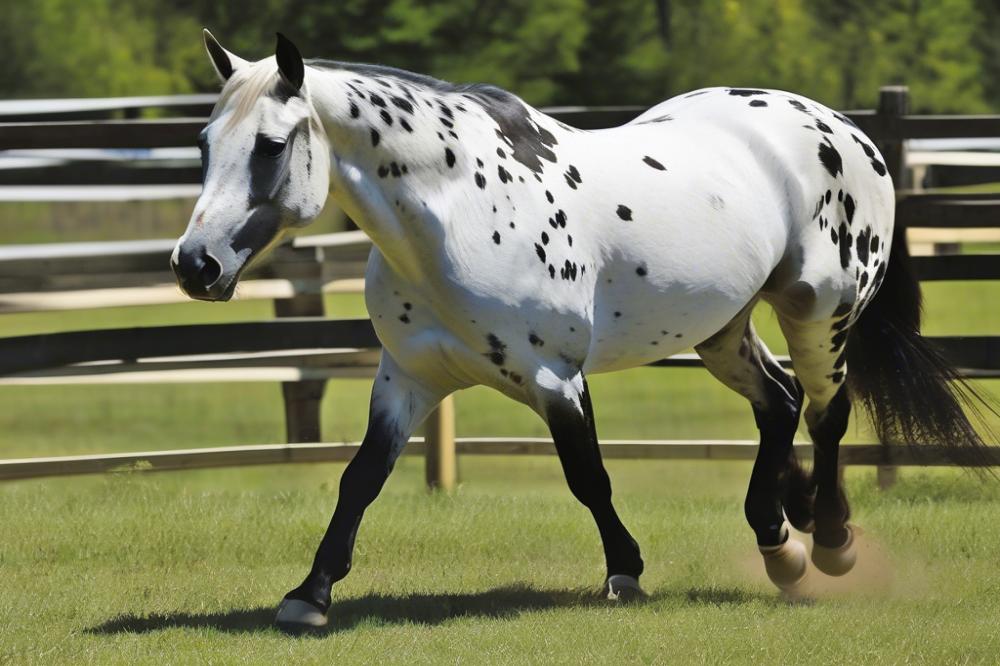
{"type": "Point", "coordinates": [778, 414]}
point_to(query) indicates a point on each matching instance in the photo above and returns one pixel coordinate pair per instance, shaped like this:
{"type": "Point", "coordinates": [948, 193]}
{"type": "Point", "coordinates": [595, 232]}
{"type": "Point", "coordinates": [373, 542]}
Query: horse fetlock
{"type": "Point", "coordinates": [623, 589]}
{"type": "Point", "coordinates": [786, 563]}
{"type": "Point", "coordinates": [799, 500]}
{"type": "Point", "coordinates": [835, 560]}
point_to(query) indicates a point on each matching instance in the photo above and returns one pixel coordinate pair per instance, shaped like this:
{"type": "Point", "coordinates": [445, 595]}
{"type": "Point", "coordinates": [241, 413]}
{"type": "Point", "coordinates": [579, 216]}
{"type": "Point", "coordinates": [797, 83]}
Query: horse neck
{"type": "Point", "coordinates": [395, 154]}
{"type": "Point", "coordinates": [411, 160]}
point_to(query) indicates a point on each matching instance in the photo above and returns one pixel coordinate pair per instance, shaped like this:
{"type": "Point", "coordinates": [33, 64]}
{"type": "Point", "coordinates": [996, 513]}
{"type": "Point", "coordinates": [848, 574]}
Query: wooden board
{"type": "Point", "coordinates": [278, 454]}
{"type": "Point", "coordinates": [163, 133]}
{"type": "Point", "coordinates": [34, 352]}
{"type": "Point", "coordinates": [949, 210]}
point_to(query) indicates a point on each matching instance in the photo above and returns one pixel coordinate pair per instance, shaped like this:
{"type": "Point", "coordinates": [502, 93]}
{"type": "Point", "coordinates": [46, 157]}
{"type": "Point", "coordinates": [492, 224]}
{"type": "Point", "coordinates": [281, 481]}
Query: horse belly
{"type": "Point", "coordinates": [652, 326]}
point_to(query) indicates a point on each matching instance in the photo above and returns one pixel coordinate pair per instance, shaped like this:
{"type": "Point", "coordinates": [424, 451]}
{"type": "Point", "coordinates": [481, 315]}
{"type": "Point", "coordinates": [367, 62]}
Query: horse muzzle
{"type": "Point", "coordinates": [201, 274]}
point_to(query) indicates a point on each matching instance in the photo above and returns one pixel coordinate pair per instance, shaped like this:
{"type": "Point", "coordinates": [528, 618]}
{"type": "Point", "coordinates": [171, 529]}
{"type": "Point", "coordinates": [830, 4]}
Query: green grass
{"type": "Point", "coordinates": [187, 568]}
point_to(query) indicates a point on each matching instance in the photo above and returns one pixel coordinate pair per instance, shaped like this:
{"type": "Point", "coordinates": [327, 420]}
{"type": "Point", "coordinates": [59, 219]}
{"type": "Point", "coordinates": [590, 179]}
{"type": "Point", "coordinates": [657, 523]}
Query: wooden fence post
{"type": "Point", "coordinates": [893, 103]}
{"type": "Point", "coordinates": [441, 464]}
{"type": "Point", "coordinates": [303, 398]}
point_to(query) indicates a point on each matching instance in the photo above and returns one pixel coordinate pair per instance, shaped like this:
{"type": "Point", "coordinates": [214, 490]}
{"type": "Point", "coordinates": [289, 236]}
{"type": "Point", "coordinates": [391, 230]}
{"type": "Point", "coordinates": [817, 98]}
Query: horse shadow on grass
{"type": "Point", "coordinates": [427, 609]}
{"type": "Point", "coordinates": [424, 609]}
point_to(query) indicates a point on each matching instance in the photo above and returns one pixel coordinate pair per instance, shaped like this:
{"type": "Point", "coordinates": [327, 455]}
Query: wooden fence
{"type": "Point", "coordinates": [303, 350]}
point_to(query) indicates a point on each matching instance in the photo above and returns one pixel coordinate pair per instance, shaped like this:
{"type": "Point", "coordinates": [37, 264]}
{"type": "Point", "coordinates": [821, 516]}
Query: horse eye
{"type": "Point", "coordinates": [266, 147]}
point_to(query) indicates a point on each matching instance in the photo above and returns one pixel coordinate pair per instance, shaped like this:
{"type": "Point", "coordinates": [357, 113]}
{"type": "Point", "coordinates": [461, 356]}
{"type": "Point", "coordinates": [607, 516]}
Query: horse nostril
{"type": "Point", "coordinates": [196, 269]}
{"type": "Point", "coordinates": [210, 271]}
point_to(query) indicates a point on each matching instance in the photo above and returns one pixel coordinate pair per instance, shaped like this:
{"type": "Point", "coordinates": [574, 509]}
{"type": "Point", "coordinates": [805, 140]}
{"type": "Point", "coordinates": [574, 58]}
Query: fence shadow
{"type": "Point", "coordinates": [428, 609]}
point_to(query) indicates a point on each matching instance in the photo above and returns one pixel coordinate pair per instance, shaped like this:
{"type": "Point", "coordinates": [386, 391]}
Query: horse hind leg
{"type": "Point", "coordinates": [817, 348]}
{"type": "Point", "coordinates": [738, 358]}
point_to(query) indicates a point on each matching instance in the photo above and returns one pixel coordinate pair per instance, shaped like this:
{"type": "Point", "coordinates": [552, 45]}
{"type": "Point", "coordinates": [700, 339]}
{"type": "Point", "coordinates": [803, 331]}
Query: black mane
{"type": "Point", "coordinates": [527, 140]}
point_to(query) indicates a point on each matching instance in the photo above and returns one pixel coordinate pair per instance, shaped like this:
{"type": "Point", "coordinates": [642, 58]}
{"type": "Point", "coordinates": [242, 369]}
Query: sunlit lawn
{"type": "Point", "coordinates": [187, 567]}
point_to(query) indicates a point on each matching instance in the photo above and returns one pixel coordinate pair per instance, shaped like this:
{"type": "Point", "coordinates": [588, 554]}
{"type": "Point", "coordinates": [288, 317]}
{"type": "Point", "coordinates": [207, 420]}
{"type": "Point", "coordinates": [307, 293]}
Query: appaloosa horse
{"type": "Point", "coordinates": [519, 253]}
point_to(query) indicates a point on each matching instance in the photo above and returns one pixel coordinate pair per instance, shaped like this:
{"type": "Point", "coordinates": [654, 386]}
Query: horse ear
{"type": "Point", "coordinates": [289, 62]}
{"type": "Point", "coordinates": [225, 63]}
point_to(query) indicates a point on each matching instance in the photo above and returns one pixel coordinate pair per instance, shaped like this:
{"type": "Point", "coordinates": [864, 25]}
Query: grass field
{"type": "Point", "coordinates": [187, 567]}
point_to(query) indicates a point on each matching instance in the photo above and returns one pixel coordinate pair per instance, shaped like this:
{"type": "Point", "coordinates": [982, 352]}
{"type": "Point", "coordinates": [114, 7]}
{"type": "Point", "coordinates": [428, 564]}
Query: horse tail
{"type": "Point", "coordinates": [912, 394]}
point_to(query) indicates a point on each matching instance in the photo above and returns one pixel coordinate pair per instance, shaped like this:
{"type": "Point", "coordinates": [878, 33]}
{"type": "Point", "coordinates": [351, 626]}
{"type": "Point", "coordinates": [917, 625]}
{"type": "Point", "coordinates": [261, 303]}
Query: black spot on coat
{"type": "Point", "coordinates": [830, 158]}
{"type": "Point", "coordinates": [653, 163]}
{"type": "Point", "coordinates": [844, 240]}
{"type": "Point", "coordinates": [864, 241]}
{"type": "Point", "coordinates": [849, 208]}
{"type": "Point", "coordinates": [497, 353]}
{"type": "Point", "coordinates": [624, 212]}
{"type": "Point", "coordinates": [403, 104]}
{"type": "Point", "coordinates": [799, 106]}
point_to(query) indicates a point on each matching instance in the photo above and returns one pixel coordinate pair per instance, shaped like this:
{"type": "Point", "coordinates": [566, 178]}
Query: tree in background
{"type": "Point", "coordinates": [548, 51]}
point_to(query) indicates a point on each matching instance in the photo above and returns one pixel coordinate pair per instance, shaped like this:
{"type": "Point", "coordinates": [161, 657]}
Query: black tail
{"type": "Point", "coordinates": [912, 394]}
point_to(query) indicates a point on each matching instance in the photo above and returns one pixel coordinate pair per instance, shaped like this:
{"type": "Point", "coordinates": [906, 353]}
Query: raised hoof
{"type": "Point", "coordinates": [786, 564]}
{"type": "Point", "coordinates": [836, 561]}
{"type": "Point", "coordinates": [623, 589]}
{"type": "Point", "coordinates": [298, 615]}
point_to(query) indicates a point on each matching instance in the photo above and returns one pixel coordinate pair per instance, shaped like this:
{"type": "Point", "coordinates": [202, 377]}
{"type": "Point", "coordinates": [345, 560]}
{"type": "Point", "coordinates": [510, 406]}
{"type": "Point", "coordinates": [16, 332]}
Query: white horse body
{"type": "Point", "coordinates": [515, 252]}
{"type": "Point", "coordinates": [733, 193]}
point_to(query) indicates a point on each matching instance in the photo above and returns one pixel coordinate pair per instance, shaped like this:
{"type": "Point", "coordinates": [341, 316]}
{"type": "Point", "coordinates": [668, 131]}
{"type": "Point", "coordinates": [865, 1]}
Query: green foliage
{"type": "Point", "coordinates": [548, 51]}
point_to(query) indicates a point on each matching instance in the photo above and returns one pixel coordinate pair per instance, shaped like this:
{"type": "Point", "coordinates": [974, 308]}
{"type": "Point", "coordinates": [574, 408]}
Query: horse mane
{"type": "Point", "coordinates": [528, 141]}
{"type": "Point", "coordinates": [244, 88]}
{"type": "Point", "coordinates": [422, 80]}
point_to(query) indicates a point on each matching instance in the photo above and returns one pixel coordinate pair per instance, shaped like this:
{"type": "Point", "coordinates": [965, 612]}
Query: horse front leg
{"type": "Point", "coordinates": [398, 405]}
{"type": "Point", "coordinates": [570, 417]}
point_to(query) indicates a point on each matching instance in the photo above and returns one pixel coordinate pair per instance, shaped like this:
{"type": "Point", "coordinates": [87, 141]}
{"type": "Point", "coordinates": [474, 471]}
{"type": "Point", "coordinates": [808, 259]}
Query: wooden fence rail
{"type": "Point", "coordinates": [624, 449]}
{"type": "Point", "coordinates": [302, 349]}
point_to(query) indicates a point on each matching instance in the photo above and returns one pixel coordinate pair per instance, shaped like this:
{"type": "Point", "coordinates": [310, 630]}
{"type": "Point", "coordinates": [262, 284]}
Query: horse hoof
{"type": "Point", "coordinates": [786, 564]}
{"type": "Point", "coordinates": [836, 561]}
{"type": "Point", "coordinates": [295, 614]}
{"type": "Point", "coordinates": [622, 588]}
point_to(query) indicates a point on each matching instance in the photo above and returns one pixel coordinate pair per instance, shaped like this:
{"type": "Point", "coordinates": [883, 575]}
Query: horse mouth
{"type": "Point", "coordinates": [214, 295]}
